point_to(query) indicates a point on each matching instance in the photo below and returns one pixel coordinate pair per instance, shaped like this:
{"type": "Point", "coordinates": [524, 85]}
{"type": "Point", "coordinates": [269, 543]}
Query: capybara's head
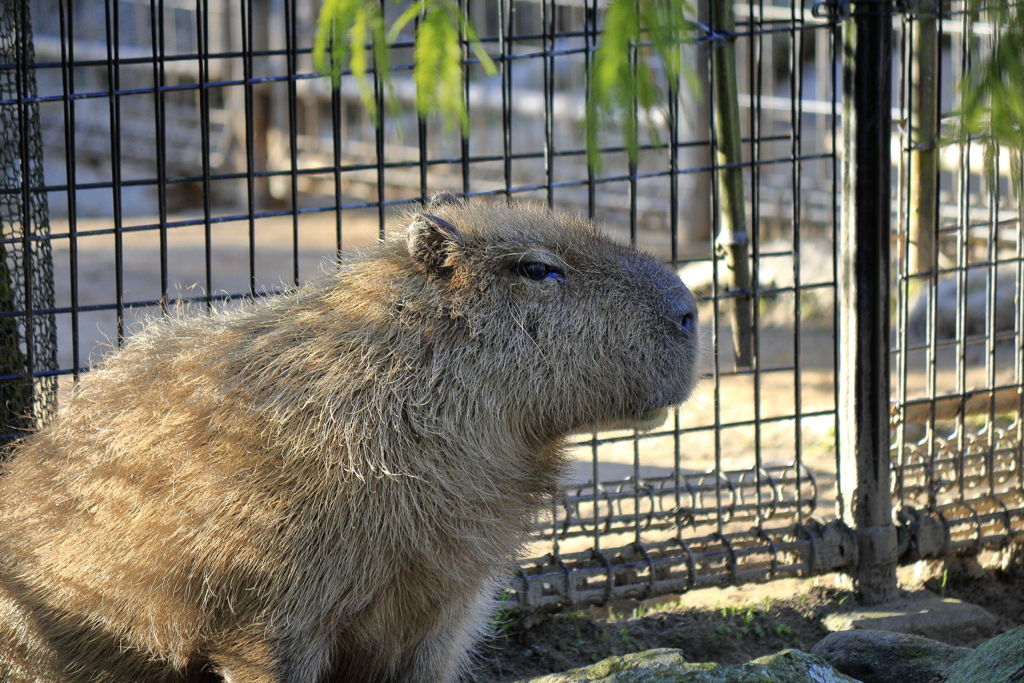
{"type": "Point", "coordinates": [564, 329]}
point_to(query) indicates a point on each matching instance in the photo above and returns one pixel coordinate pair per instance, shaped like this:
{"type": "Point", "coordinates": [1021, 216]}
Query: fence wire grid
{"type": "Point", "coordinates": [160, 152]}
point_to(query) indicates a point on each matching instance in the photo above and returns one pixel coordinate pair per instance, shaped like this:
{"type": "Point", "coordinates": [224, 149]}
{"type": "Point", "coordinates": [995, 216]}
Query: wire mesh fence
{"type": "Point", "coordinates": [189, 153]}
{"type": "Point", "coordinates": [29, 346]}
{"type": "Point", "coordinates": [957, 357]}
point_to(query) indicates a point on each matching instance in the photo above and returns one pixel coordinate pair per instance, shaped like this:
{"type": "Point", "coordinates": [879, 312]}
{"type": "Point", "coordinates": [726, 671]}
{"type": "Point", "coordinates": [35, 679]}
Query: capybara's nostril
{"type": "Point", "coordinates": [684, 317]}
{"type": "Point", "coordinates": [688, 322]}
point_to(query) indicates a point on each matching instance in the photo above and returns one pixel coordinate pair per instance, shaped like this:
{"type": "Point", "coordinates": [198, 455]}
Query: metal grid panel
{"type": "Point", "coordinates": [724, 492]}
{"type": "Point", "coordinates": [192, 155]}
{"type": "Point", "coordinates": [957, 358]}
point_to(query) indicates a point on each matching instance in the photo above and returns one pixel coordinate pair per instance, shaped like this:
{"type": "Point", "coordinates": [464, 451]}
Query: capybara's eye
{"type": "Point", "coordinates": [537, 270]}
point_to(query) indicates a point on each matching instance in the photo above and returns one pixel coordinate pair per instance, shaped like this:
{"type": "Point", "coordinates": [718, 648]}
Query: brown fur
{"type": "Point", "coordinates": [330, 484]}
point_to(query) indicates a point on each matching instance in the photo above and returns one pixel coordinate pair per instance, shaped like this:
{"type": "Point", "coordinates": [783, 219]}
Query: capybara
{"type": "Point", "coordinates": [331, 484]}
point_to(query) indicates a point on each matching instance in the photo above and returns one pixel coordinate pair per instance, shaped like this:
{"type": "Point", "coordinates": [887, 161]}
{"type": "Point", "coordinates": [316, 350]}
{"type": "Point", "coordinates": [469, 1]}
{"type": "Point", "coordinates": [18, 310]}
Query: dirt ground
{"type": "Point", "coordinates": [727, 626]}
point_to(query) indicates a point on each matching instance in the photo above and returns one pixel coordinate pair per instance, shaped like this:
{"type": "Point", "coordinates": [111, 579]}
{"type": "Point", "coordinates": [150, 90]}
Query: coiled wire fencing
{"type": "Point", "coordinates": [188, 152]}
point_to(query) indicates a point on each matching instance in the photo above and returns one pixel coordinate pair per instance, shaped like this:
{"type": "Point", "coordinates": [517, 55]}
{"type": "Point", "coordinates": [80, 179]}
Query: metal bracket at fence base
{"type": "Point", "coordinates": [920, 535]}
{"type": "Point", "coordinates": [963, 527]}
{"type": "Point", "coordinates": [676, 566]}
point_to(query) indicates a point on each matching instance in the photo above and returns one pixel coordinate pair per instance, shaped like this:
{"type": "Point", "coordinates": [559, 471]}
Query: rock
{"type": "Point", "coordinates": [976, 304]}
{"type": "Point", "coordinates": [668, 666]}
{"type": "Point", "coordinates": [928, 615]}
{"type": "Point", "coordinates": [886, 657]}
{"type": "Point", "coordinates": [999, 660]}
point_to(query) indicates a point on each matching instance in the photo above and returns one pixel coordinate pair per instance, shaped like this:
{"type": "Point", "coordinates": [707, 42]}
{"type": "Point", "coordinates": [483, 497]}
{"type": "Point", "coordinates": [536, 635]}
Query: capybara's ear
{"type": "Point", "coordinates": [445, 199]}
{"type": "Point", "coordinates": [433, 241]}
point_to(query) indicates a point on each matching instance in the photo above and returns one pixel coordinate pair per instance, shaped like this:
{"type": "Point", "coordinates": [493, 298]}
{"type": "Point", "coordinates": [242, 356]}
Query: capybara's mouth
{"type": "Point", "coordinates": [645, 421]}
{"type": "Point", "coordinates": [652, 418]}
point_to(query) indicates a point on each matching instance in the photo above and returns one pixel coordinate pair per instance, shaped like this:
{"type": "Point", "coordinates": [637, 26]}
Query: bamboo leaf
{"type": "Point", "coordinates": [478, 48]}
{"type": "Point", "coordinates": [438, 70]}
{"type": "Point", "coordinates": [638, 36]}
{"type": "Point", "coordinates": [346, 27]}
{"type": "Point", "coordinates": [414, 10]}
{"type": "Point", "coordinates": [330, 46]}
{"type": "Point", "coordinates": [640, 43]}
{"type": "Point", "coordinates": [992, 94]}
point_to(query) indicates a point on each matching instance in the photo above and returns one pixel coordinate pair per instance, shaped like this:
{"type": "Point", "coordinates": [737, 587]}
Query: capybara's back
{"type": "Point", "coordinates": [331, 484]}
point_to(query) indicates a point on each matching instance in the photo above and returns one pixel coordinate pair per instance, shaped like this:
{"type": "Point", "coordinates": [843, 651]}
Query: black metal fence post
{"type": "Point", "coordinates": [864, 297]}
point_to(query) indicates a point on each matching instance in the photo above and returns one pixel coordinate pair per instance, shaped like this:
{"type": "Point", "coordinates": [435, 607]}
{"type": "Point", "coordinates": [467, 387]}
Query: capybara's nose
{"type": "Point", "coordinates": [684, 316]}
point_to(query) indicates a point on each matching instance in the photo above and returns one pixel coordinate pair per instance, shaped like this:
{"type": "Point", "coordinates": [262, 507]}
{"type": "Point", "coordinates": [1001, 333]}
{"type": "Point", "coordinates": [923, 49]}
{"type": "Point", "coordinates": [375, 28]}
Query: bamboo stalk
{"type": "Point", "coordinates": [732, 242]}
{"type": "Point", "coordinates": [924, 155]}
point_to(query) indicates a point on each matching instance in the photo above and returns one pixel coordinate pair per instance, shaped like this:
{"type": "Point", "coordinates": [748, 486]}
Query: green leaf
{"type": "Point", "coordinates": [438, 70]}
{"type": "Point", "coordinates": [637, 34]}
{"type": "Point", "coordinates": [992, 93]}
{"type": "Point", "coordinates": [413, 11]}
{"type": "Point", "coordinates": [346, 27]}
